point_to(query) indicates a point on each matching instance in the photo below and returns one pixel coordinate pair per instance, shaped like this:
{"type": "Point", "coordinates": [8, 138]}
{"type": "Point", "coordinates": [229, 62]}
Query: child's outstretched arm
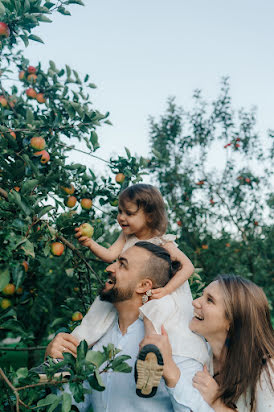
{"type": "Point", "coordinates": [180, 277]}
{"type": "Point", "coordinates": [106, 254]}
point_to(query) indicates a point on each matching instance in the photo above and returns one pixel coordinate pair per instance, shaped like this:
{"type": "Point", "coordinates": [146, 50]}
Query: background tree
{"type": "Point", "coordinates": [215, 173]}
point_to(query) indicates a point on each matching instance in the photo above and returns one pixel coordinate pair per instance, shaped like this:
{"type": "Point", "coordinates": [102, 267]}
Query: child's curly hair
{"type": "Point", "coordinates": [150, 200]}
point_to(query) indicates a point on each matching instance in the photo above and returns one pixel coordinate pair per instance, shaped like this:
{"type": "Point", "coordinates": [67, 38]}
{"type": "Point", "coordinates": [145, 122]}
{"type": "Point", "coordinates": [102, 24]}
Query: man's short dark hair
{"type": "Point", "coordinates": [159, 267]}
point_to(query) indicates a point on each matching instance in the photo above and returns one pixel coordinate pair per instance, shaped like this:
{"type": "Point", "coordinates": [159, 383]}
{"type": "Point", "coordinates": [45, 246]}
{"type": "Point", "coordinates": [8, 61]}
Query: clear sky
{"type": "Point", "coordinates": [140, 52]}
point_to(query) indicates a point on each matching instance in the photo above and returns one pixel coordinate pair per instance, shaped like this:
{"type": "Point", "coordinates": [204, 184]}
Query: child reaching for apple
{"type": "Point", "coordinates": [142, 216]}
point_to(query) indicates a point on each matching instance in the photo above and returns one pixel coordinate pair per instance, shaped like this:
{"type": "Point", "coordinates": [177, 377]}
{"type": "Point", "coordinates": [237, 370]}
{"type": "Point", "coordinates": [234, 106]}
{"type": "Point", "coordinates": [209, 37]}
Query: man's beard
{"type": "Point", "coordinates": [115, 295]}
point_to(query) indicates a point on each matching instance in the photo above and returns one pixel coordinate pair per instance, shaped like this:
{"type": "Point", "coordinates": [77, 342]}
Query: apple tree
{"type": "Point", "coordinates": [47, 282]}
{"type": "Point", "coordinates": [215, 172]}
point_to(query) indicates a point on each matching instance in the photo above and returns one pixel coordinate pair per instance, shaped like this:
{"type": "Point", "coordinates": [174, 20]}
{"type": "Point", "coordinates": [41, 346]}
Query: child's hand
{"type": "Point", "coordinates": [84, 240]}
{"type": "Point", "coordinates": [159, 293]}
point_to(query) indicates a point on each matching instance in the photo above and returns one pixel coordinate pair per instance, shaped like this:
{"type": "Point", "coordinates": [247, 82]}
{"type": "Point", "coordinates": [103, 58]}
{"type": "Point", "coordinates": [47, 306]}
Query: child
{"type": "Point", "coordinates": [142, 216]}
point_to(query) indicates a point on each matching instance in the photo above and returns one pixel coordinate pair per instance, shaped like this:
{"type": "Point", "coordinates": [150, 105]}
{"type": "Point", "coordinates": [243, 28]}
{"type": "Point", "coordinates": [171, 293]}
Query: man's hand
{"type": "Point", "coordinates": [171, 372]}
{"type": "Point", "coordinates": [84, 240]}
{"type": "Point", "coordinates": [63, 342]}
{"type": "Point", "coordinates": [206, 385]}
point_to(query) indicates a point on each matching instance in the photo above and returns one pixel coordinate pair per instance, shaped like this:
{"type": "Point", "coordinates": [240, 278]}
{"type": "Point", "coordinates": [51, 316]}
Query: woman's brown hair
{"type": "Point", "coordinates": [250, 340]}
{"type": "Point", "coordinates": [150, 200]}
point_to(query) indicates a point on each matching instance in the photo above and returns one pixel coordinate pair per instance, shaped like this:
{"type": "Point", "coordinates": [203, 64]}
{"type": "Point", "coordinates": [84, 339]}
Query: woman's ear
{"type": "Point", "coordinates": [143, 286]}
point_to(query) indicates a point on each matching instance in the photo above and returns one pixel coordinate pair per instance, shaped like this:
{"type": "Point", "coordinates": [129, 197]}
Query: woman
{"type": "Point", "coordinates": [233, 316]}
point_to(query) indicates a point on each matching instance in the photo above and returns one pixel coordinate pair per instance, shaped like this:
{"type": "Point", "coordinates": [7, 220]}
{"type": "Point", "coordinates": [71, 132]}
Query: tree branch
{"type": "Point", "coordinates": [31, 348]}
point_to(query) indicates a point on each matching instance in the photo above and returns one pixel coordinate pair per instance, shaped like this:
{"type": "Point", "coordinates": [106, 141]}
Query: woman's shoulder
{"type": "Point", "coordinates": [265, 389]}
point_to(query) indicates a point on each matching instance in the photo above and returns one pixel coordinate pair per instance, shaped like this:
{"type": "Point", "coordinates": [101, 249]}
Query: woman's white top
{"type": "Point", "coordinates": [174, 311]}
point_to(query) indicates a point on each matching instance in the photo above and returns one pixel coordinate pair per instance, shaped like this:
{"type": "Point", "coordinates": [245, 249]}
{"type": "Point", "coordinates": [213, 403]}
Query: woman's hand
{"type": "Point", "coordinates": [171, 373]}
{"type": "Point", "coordinates": [206, 385]}
{"type": "Point", "coordinates": [63, 342]}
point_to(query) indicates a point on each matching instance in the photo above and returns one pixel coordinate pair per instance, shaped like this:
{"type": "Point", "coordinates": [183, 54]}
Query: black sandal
{"type": "Point", "coordinates": [148, 371]}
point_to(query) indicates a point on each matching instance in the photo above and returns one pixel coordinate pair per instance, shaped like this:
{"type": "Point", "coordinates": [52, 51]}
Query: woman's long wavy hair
{"type": "Point", "coordinates": [250, 340]}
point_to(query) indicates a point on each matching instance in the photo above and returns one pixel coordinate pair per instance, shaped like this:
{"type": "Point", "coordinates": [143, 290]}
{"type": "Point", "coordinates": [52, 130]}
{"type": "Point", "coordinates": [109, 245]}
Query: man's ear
{"type": "Point", "coordinates": [143, 286]}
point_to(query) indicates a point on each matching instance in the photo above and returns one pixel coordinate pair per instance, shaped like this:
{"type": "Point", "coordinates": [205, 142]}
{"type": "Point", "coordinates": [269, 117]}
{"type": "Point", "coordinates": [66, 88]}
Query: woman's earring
{"type": "Point", "coordinates": [146, 296]}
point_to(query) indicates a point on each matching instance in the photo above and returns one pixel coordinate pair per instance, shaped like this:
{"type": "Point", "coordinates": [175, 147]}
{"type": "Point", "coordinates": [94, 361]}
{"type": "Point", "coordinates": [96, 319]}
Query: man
{"type": "Point", "coordinates": [138, 269]}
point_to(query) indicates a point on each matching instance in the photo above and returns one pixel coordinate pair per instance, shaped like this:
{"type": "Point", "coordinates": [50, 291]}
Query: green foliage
{"type": "Point", "coordinates": [215, 173]}
{"type": "Point", "coordinates": [88, 367]}
{"type": "Point", "coordinates": [51, 104]}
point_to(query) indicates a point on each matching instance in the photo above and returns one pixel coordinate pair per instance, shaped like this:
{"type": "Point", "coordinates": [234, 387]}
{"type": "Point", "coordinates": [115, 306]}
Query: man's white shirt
{"type": "Point", "coordinates": [120, 393]}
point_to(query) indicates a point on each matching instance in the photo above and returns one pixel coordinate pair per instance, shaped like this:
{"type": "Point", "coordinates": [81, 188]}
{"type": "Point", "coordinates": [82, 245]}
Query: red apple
{"type": "Point", "coordinates": [9, 289]}
{"type": "Point", "coordinates": [4, 30]}
{"type": "Point", "coordinates": [71, 201]}
{"type": "Point", "coordinates": [57, 248]}
{"type": "Point", "coordinates": [12, 134]}
{"type": "Point", "coordinates": [247, 180]}
{"type": "Point", "coordinates": [44, 156]}
{"type": "Point", "coordinates": [120, 177]}
{"type": "Point", "coordinates": [77, 316]}
{"type": "Point", "coordinates": [204, 247]}
{"type": "Point", "coordinates": [3, 101]}
{"type": "Point", "coordinates": [32, 78]}
{"type": "Point", "coordinates": [38, 143]}
{"type": "Point", "coordinates": [40, 98]}
{"type": "Point", "coordinates": [179, 223]}
{"type": "Point", "coordinates": [21, 75]}
{"type": "Point", "coordinates": [17, 188]}
{"type": "Point", "coordinates": [26, 265]}
{"type": "Point", "coordinates": [68, 190]}
{"type": "Point", "coordinates": [31, 69]}
{"type": "Point", "coordinates": [31, 93]}
{"type": "Point", "coordinates": [86, 204]}
{"type": "Point", "coordinates": [5, 303]}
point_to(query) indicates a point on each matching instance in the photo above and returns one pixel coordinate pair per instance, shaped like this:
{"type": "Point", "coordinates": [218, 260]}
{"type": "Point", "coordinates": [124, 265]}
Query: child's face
{"type": "Point", "coordinates": [133, 220]}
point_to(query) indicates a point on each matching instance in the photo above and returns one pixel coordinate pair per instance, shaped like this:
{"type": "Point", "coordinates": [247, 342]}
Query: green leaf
{"type": "Point", "coordinates": [29, 116]}
{"type": "Point", "coordinates": [66, 402]}
{"type": "Point", "coordinates": [94, 140]}
{"type": "Point", "coordinates": [63, 11]}
{"type": "Point", "coordinates": [45, 19]}
{"type": "Point", "coordinates": [99, 379]}
{"type": "Point", "coordinates": [45, 210]}
{"type": "Point", "coordinates": [48, 400]}
{"type": "Point", "coordinates": [22, 372]}
{"type": "Point", "coordinates": [49, 4]}
{"type": "Point", "coordinates": [29, 185]}
{"type": "Point", "coordinates": [96, 358]}
{"type": "Point", "coordinates": [82, 350]}
{"type": "Point", "coordinates": [28, 248]}
{"type": "Point", "coordinates": [2, 9]}
{"type": "Point", "coordinates": [128, 152]}
{"type": "Point", "coordinates": [76, 2]}
{"type": "Point", "coordinates": [4, 278]}
{"type": "Point", "coordinates": [54, 405]}
{"type": "Point", "coordinates": [92, 86]}
{"type": "Point", "coordinates": [36, 38]}
{"type": "Point", "coordinates": [68, 70]}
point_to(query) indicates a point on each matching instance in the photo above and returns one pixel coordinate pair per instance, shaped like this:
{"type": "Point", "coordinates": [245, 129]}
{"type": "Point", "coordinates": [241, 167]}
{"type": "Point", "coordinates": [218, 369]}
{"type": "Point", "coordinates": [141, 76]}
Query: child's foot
{"type": "Point", "coordinates": [41, 370]}
{"type": "Point", "coordinates": [148, 371]}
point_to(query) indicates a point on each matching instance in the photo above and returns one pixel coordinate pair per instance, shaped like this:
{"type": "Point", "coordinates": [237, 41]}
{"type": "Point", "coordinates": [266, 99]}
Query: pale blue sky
{"type": "Point", "coordinates": [140, 52]}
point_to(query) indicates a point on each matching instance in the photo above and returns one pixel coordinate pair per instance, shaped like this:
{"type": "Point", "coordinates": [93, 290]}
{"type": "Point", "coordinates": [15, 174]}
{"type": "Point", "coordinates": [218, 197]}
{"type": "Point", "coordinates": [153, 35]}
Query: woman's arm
{"type": "Point", "coordinates": [106, 254]}
{"type": "Point", "coordinates": [208, 388]}
{"type": "Point", "coordinates": [180, 277]}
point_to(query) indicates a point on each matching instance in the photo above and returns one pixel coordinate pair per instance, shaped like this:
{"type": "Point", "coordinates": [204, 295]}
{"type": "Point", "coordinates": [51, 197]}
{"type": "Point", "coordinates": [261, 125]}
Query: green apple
{"type": "Point", "coordinates": [86, 230]}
